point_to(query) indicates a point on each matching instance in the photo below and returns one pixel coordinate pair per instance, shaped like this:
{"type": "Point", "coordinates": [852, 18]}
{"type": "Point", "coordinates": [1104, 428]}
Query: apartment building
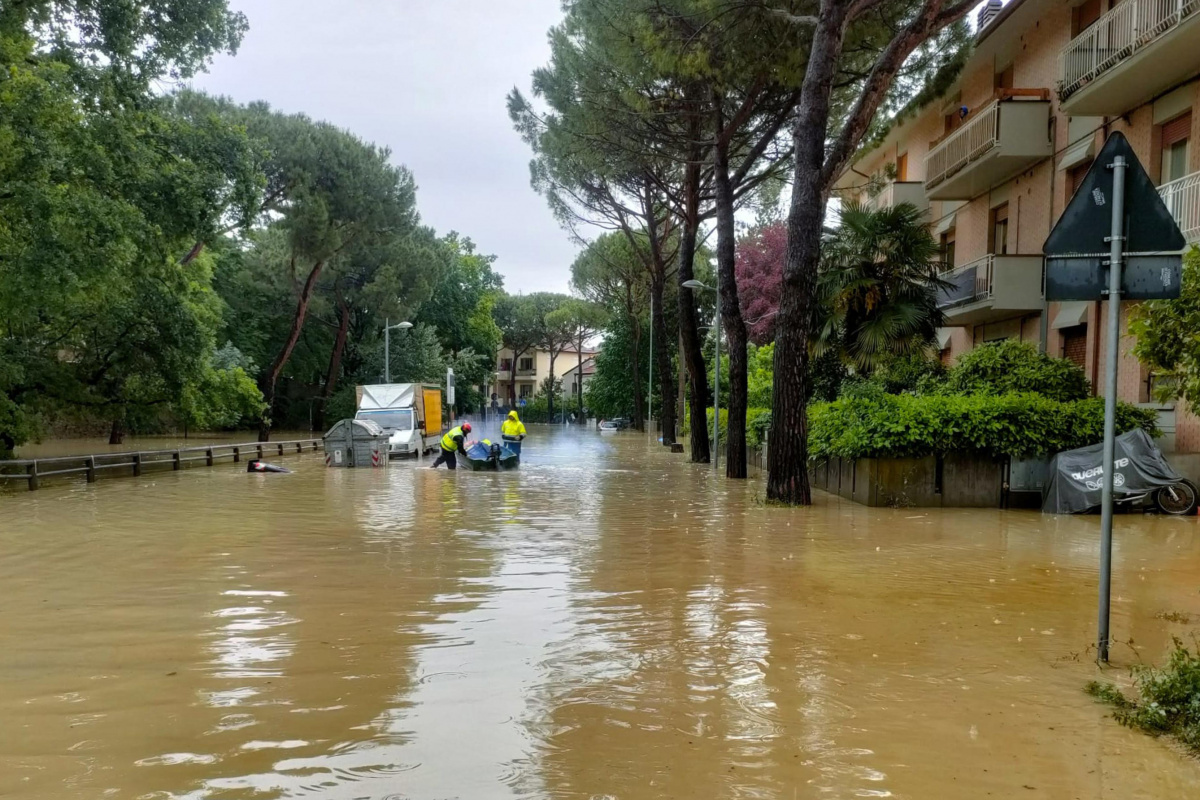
{"type": "Point", "coordinates": [994, 159]}
{"type": "Point", "coordinates": [522, 376]}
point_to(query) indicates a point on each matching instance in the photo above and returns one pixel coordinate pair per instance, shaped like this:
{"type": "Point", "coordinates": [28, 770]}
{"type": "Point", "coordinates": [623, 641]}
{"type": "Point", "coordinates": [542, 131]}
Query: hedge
{"type": "Point", "coordinates": [1015, 424]}
{"type": "Point", "coordinates": [758, 420]}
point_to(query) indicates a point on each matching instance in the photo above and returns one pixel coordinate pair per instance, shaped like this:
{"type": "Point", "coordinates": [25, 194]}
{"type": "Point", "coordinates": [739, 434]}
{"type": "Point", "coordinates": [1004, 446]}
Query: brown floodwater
{"type": "Point", "coordinates": [608, 622]}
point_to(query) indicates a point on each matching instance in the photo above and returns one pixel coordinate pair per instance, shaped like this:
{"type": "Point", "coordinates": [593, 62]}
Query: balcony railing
{"type": "Point", "coordinates": [1116, 36]}
{"type": "Point", "coordinates": [896, 192]}
{"type": "Point", "coordinates": [527, 373]}
{"type": "Point", "coordinates": [971, 283]}
{"type": "Point", "coordinates": [973, 140]}
{"type": "Point", "coordinates": [1183, 200]}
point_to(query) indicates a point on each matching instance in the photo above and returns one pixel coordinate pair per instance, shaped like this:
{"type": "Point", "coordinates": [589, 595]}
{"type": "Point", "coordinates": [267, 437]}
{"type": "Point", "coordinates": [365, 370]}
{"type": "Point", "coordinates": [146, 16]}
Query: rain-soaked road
{"type": "Point", "coordinates": [610, 622]}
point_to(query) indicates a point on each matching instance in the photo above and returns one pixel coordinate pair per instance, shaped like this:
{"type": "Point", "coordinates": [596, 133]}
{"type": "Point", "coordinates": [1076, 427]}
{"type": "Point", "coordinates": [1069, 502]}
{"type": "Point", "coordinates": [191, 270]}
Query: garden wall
{"type": "Point", "coordinates": [951, 481]}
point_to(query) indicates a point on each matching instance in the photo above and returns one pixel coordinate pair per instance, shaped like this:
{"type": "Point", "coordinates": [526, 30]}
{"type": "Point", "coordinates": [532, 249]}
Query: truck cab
{"type": "Point", "coordinates": [400, 424]}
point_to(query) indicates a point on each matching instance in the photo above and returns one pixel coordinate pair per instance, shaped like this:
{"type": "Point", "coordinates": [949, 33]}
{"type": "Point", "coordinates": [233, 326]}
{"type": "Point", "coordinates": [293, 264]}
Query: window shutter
{"type": "Point", "coordinates": [1177, 129]}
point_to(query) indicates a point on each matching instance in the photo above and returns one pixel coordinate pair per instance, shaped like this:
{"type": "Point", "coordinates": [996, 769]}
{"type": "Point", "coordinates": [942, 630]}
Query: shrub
{"type": "Point", "coordinates": [758, 420]}
{"type": "Point", "coordinates": [871, 423]}
{"type": "Point", "coordinates": [1168, 699]}
{"type": "Point", "coordinates": [1014, 366]}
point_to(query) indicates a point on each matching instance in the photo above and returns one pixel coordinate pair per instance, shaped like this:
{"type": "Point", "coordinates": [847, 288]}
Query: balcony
{"type": "Point", "coordinates": [503, 375]}
{"type": "Point", "coordinates": [996, 143]}
{"type": "Point", "coordinates": [991, 289]}
{"type": "Point", "coordinates": [1183, 200]}
{"type": "Point", "coordinates": [527, 373]}
{"type": "Point", "coordinates": [896, 192]}
{"type": "Point", "coordinates": [1136, 51]}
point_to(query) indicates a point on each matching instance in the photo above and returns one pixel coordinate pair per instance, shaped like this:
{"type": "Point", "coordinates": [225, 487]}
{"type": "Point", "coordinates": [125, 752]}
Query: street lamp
{"type": "Point", "coordinates": [387, 347]}
{"type": "Point", "coordinates": [695, 285]}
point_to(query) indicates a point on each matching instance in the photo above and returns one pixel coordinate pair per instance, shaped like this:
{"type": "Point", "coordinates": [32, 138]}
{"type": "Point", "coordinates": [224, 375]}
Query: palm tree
{"type": "Point", "coordinates": [878, 285]}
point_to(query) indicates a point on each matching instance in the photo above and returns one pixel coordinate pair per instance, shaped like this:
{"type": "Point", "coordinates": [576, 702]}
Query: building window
{"type": "Point", "coordinates": [526, 364]}
{"type": "Point", "coordinates": [1074, 345]}
{"type": "Point", "coordinates": [998, 230]}
{"type": "Point", "coordinates": [1075, 175]}
{"type": "Point", "coordinates": [525, 389]}
{"type": "Point", "coordinates": [1004, 78]}
{"type": "Point", "coordinates": [1175, 136]}
{"type": "Point", "coordinates": [505, 364]}
{"type": "Point", "coordinates": [948, 250]}
{"type": "Point", "coordinates": [1084, 16]}
{"type": "Point", "coordinates": [902, 168]}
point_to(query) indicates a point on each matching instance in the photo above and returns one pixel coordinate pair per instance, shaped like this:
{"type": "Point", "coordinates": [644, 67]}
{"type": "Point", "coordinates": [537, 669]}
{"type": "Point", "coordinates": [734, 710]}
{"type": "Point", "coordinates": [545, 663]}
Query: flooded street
{"type": "Point", "coordinates": [607, 622]}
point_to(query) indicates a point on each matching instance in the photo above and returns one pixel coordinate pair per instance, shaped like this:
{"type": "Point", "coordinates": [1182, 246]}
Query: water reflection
{"type": "Point", "coordinates": [609, 621]}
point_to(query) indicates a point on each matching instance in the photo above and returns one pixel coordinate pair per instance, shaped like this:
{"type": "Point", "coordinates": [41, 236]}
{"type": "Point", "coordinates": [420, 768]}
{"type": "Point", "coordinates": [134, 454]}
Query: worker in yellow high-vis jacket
{"type": "Point", "coordinates": [512, 432]}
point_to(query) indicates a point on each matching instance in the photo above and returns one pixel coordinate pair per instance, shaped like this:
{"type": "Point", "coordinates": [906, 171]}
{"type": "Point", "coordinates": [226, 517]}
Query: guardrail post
{"type": "Point", "coordinates": [259, 452]}
{"type": "Point", "coordinates": [91, 469]}
{"type": "Point", "coordinates": [237, 454]}
{"type": "Point", "coordinates": [137, 464]}
{"type": "Point", "coordinates": [299, 447]}
{"type": "Point", "coordinates": [176, 460]}
{"type": "Point", "coordinates": [208, 457]}
{"type": "Point", "coordinates": [316, 445]}
{"type": "Point", "coordinates": [32, 471]}
{"type": "Point", "coordinates": [281, 448]}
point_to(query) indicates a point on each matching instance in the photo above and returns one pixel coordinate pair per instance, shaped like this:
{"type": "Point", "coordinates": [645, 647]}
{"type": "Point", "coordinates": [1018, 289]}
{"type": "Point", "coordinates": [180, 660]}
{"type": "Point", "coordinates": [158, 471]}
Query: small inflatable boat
{"type": "Point", "coordinates": [485, 455]}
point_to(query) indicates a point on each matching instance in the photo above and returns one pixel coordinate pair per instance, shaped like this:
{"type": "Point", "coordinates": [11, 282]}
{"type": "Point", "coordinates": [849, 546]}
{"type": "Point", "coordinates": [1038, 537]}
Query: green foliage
{"type": "Point", "coordinates": [610, 392]}
{"type": "Point", "coordinates": [878, 285]}
{"type": "Point", "coordinates": [1014, 366]}
{"type": "Point", "coordinates": [918, 371]}
{"type": "Point", "coordinates": [1168, 698]}
{"type": "Point", "coordinates": [105, 187]}
{"type": "Point", "coordinates": [1165, 340]}
{"type": "Point", "coordinates": [758, 422]}
{"type": "Point", "coordinates": [871, 423]}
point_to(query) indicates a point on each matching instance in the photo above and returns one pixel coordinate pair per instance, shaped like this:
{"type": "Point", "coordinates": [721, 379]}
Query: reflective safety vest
{"type": "Point", "coordinates": [512, 427]}
{"type": "Point", "coordinates": [448, 442]}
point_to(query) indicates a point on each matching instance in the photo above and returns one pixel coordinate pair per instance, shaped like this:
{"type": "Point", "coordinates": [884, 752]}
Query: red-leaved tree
{"type": "Point", "coordinates": [761, 254]}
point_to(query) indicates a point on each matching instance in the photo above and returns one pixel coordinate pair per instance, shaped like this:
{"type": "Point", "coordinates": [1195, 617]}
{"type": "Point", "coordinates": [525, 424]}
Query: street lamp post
{"type": "Point", "coordinates": [695, 285]}
{"type": "Point", "coordinates": [387, 346]}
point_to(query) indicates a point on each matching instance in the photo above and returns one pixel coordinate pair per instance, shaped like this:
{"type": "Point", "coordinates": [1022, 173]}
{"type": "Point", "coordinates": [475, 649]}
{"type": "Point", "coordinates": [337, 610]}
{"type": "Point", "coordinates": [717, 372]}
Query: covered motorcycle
{"type": "Point", "coordinates": [487, 455]}
{"type": "Point", "coordinates": [1140, 472]}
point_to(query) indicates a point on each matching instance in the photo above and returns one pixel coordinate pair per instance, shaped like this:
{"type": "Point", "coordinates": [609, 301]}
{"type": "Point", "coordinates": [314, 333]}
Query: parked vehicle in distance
{"type": "Point", "coordinates": [411, 414]}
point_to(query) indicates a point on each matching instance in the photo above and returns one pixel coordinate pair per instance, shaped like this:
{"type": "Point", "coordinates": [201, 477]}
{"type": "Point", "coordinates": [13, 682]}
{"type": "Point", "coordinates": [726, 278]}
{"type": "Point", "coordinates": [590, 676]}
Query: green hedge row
{"type": "Point", "coordinates": [1014, 424]}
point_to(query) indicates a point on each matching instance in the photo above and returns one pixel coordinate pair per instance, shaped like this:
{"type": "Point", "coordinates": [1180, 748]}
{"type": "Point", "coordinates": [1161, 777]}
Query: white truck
{"type": "Point", "coordinates": [411, 413]}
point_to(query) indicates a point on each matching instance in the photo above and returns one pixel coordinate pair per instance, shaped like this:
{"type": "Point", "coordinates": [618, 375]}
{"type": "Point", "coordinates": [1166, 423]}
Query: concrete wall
{"type": "Point", "coordinates": [968, 481]}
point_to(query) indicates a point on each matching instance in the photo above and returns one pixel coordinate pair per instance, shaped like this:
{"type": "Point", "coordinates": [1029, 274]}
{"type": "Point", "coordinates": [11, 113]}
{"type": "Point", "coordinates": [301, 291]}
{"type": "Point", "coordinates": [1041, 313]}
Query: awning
{"type": "Point", "coordinates": [943, 338]}
{"type": "Point", "coordinates": [1070, 314]}
{"type": "Point", "coordinates": [1079, 153]}
{"type": "Point", "coordinates": [944, 224]}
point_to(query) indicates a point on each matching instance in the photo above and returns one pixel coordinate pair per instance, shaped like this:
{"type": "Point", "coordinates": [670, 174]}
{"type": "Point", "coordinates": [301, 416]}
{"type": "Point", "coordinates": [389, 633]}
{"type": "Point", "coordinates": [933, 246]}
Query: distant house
{"type": "Point", "coordinates": [524, 378]}
{"type": "Point", "coordinates": [576, 380]}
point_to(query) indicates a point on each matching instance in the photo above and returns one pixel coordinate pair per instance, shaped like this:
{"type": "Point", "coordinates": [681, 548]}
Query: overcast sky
{"type": "Point", "coordinates": [427, 78]}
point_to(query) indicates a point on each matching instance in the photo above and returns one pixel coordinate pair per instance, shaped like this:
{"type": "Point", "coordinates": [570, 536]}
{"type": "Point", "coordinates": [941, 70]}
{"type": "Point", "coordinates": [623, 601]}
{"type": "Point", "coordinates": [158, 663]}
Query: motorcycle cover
{"type": "Point", "coordinates": [1077, 476]}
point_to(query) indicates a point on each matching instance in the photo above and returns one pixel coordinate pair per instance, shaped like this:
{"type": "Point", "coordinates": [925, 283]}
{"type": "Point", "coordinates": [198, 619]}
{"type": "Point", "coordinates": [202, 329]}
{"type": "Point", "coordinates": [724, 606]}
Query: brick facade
{"type": "Point", "coordinates": [1037, 197]}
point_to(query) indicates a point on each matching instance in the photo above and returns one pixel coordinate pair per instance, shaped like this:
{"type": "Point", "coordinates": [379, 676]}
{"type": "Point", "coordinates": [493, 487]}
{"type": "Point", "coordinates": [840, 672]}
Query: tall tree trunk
{"type": "Point", "coordinates": [550, 389]}
{"type": "Point", "coordinates": [681, 369]}
{"type": "Point", "coordinates": [635, 359]}
{"type": "Point", "coordinates": [271, 377]}
{"type": "Point", "coordinates": [688, 327]}
{"type": "Point", "coordinates": [579, 375]}
{"type": "Point", "coordinates": [662, 360]}
{"type": "Point", "coordinates": [335, 363]}
{"type": "Point", "coordinates": [116, 434]}
{"type": "Point", "coordinates": [787, 456]}
{"type": "Point", "coordinates": [730, 311]}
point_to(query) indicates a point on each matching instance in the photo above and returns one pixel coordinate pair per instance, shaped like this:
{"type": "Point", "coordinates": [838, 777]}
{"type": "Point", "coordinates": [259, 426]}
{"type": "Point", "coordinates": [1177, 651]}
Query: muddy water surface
{"type": "Point", "coordinates": [609, 622]}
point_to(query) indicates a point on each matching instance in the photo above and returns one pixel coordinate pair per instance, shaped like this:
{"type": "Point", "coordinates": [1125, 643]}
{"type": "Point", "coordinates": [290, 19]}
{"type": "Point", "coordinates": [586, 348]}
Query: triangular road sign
{"type": "Point", "coordinates": [1087, 220]}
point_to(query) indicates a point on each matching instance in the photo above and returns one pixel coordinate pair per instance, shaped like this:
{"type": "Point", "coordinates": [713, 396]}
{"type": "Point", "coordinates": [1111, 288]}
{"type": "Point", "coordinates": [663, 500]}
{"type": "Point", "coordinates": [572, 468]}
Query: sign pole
{"type": "Point", "coordinates": [1116, 242]}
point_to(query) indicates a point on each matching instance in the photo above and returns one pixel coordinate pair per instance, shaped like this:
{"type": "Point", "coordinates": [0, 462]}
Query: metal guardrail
{"type": "Point", "coordinates": [977, 136]}
{"type": "Point", "coordinates": [34, 469]}
{"type": "Point", "coordinates": [1182, 198]}
{"type": "Point", "coordinates": [1116, 36]}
